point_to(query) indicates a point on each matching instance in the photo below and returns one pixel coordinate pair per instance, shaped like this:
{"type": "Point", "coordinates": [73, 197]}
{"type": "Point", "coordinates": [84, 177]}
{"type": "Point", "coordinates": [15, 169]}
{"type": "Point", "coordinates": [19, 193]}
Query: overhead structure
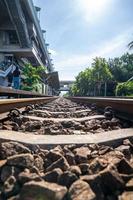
{"type": "Point", "coordinates": [65, 85]}
{"type": "Point", "coordinates": [52, 79]}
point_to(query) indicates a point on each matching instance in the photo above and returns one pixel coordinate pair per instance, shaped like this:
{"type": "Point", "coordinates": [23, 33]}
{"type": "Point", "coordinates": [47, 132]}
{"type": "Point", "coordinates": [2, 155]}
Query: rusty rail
{"type": "Point", "coordinates": [8, 104]}
{"type": "Point", "coordinates": [123, 107]}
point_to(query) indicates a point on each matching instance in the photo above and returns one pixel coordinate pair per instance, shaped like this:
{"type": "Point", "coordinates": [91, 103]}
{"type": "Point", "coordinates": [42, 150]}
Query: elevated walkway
{"type": "Point", "coordinates": [65, 85]}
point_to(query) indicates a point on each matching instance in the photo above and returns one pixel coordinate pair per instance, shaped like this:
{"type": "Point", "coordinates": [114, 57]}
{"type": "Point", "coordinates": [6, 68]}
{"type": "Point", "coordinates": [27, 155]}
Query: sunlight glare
{"type": "Point", "coordinates": [93, 9]}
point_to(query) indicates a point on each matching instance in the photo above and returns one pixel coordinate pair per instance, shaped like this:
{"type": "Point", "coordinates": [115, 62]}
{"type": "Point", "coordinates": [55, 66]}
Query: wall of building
{"type": "Point", "coordinates": [31, 30]}
{"type": "Point", "coordinates": [3, 81]}
{"type": "Point", "coordinates": [1, 57]}
{"type": "Point", "coordinates": [1, 39]}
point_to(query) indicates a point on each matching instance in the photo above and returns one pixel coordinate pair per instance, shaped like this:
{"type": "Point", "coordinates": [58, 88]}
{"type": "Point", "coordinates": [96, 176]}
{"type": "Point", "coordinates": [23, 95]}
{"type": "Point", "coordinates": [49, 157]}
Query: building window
{"type": "Point", "coordinates": [13, 39]}
{"type": "Point", "coordinates": [10, 37]}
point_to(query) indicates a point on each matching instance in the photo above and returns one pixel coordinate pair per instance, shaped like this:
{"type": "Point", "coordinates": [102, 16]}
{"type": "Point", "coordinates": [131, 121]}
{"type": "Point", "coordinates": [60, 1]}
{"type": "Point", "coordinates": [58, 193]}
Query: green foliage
{"type": "Point", "coordinates": [101, 74]}
{"type": "Point", "coordinates": [32, 77]}
{"type": "Point", "coordinates": [91, 81]}
{"type": "Point", "coordinates": [101, 71]}
{"type": "Point", "coordinates": [74, 91]}
{"type": "Point", "coordinates": [66, 94]}
{"type": "Point", "coordinates": [122, 68]}
{"type": "Point", "coordinates": [124, 89]}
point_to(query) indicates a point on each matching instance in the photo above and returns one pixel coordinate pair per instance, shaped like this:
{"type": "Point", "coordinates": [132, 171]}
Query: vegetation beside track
{"type": "Point", "coordinates": [32, 80]}
{"type": "Point", "coordinates": [103, 76]}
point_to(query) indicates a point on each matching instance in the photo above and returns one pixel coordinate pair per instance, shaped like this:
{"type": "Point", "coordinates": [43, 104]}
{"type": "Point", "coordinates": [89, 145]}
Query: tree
{"type": "Point", "coordinates": [32, 77]}
{"type": "Point", "coordinates": [73, 90]}
{"type": "Point", "coordinates": [101, 74]}
{"type": "Point", "coordinates": [122, 68]}
{"type": "Point", "coordinates": [90, 81]}
{"type": "Point", "coordinates": [102, 77]}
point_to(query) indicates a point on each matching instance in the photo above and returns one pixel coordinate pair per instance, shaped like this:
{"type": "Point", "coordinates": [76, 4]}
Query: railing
{"type": "Point", "coordinates": [7, 71]}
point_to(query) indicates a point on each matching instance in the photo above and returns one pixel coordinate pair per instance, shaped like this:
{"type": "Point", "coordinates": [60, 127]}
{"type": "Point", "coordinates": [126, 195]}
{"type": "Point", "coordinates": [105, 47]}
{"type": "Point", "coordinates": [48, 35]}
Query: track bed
{"type": "Point", "coordinates": [65, 151]}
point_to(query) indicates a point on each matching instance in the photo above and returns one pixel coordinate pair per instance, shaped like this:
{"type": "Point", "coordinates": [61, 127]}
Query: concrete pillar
{"type": "Point", "coordinates": [46, 89]}
{"type": "Point", "coordinates": [43, 88]}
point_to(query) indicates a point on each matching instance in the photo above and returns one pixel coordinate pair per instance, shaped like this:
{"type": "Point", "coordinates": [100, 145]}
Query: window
{"type": "Point", "coordinates": [13, 39]}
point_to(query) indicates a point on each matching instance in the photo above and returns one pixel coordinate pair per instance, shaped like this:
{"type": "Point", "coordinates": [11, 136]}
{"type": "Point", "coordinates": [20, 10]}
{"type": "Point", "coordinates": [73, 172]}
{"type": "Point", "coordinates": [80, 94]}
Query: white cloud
{"type": "Point", "coordinates": [70, 65]}
{"type": "Point", "coordinates": [116, 46]}
{"type": "Point", "coordinates": [92, 10]}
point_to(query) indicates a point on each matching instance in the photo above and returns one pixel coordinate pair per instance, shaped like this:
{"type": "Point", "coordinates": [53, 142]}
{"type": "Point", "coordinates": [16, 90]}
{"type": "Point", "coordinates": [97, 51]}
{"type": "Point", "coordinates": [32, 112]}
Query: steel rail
{"type": "Point", "coordinates": [8, 104]}
{"type": "Point", "coordinates": [123, 107]}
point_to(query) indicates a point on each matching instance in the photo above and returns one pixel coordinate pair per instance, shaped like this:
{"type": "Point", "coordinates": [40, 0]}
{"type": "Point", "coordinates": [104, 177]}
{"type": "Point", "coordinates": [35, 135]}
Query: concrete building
{"type": "Point", "coordinates": [21, 38]}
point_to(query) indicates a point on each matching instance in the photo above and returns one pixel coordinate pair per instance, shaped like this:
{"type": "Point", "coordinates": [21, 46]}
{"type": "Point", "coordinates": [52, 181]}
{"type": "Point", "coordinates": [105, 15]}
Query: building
{"type": "Point", "coordinates": [21, 38]}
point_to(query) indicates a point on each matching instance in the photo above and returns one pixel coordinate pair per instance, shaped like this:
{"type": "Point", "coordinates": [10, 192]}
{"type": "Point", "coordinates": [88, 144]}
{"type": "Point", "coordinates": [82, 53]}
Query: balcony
{"type": "Point", "coordinates": [32, 53]}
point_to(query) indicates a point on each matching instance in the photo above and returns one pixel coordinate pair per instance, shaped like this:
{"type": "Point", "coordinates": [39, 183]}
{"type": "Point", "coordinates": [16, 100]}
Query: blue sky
{"type": "Point", "coordinates": [80, 30]}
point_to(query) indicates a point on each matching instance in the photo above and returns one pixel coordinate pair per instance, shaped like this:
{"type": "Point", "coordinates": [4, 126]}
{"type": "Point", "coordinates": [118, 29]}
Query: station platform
{"type": "Point", "coordinates": [10, 92]}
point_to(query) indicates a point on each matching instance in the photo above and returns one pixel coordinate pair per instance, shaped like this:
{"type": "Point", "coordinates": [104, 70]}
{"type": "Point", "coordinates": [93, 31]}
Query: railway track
{"type": "Point", "coordinates": [123, 107]}
{"type": "Point", "coordinates": [58, 149]}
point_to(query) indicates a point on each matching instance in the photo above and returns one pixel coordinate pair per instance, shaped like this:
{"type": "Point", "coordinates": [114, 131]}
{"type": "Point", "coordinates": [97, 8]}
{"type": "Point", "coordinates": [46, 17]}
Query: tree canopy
{"type": "Point", "coordinates": [92, 79]}
{"type": "Point", "coordinates": [101, 78]}
{"type": "Point", "coordinates": [122, 68]}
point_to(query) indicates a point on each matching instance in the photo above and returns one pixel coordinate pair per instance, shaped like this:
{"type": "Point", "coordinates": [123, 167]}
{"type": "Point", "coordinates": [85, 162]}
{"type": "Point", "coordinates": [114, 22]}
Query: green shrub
{"type": "Point", "coordinates": [33, 88]}
{"type": "Point", "coordinates": [124, 89]}
{"type": "Point", "coordinates": [32, 81]}
{"type": "Point", "coordinates": [27, 88]}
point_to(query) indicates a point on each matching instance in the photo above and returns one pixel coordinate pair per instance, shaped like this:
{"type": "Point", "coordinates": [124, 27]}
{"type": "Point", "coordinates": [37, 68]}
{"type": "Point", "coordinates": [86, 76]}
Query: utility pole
{"type": "Point", "coordinates": [105, 89]}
